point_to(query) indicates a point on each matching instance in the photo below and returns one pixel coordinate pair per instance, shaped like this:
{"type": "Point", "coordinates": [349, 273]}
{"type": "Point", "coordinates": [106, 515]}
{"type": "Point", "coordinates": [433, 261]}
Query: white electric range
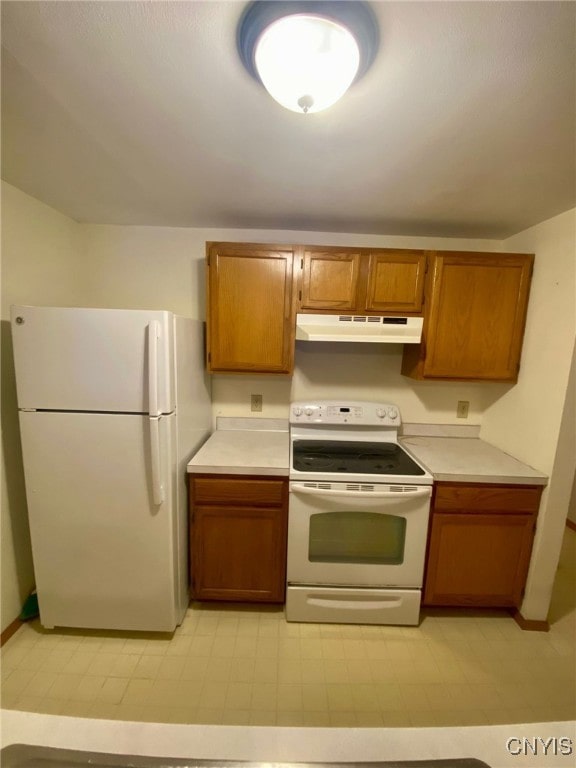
{"type": "Point", "coordinates": [358, 516]}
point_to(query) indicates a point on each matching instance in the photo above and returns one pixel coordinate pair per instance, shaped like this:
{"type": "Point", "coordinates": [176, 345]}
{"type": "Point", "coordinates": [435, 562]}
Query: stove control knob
{"type": "Point", "coordinates": [393, 413]}
{"type": "Point", "coordinates": [297, 411]}
{"type": "Point", "coordinates": [381, 412]}
{"type": "Point", "coordinates": [309, 411]}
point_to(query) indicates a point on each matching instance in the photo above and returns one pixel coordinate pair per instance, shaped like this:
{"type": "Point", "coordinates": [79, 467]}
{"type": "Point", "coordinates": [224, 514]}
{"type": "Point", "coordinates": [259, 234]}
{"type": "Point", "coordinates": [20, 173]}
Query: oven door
{"type": "Point", "coordinates": [351, 534]}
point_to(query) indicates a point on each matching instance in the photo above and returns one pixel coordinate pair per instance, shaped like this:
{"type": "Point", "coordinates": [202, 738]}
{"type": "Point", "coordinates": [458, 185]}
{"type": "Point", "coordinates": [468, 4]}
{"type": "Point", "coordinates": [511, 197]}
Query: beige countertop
{"type": "Point", "coordinates": [469, 460]}
{"type": "Point", "coordinates": [251, 446]}
{"type": "Point", "coordinates": [244, 447]}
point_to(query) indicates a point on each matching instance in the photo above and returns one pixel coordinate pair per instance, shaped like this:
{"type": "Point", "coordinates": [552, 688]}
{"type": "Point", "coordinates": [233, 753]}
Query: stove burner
{"type": "Point", "coordinates": [316, 461]}
{"type": "Point", "coordinates": [376, 461]}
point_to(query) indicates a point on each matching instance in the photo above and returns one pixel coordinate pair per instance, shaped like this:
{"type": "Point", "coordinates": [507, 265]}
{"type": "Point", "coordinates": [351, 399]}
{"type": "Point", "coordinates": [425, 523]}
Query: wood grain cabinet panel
{"type": "Point", "coordinates": [238, 538]}
{"type": "Point", "coordinates": [250, 308]}
{"type": "Point", "coordinates": [474, 317]}
{"type": "Point", "coordinates": [362, 281]}
{"type": "Point", "coordinates": [330, 279]}
{"type": "Point", "coordinates": [474, 305]}
{"type": "Point", "coordinates": [480, 542]}
{"type": "Point", "coordinates": [486, 497]}
{"type": "Point", "coordinates": [223, 490]}
{"type": "Point", "coordinates": [396, 281]}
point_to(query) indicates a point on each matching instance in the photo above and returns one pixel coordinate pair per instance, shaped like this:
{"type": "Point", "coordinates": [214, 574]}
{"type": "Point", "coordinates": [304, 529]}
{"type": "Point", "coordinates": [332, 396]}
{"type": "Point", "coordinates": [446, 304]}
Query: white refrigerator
{"type": "Point", "coordinates": [112, 405]}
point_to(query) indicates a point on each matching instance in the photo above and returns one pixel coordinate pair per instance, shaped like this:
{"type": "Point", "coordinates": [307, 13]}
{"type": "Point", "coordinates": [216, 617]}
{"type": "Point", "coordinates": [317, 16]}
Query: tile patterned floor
{"type": "Point", "coordinates": [234, 665]}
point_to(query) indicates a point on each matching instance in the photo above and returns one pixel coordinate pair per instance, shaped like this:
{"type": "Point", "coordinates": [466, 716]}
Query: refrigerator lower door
{"type": "Point", "coordinates": [106, 556]}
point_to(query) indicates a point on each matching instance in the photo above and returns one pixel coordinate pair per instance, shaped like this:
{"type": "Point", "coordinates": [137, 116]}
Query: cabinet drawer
{"type": "Point", "coordinates": [482, 497]}
{"type": "Point", "coordinates": [227, 490]}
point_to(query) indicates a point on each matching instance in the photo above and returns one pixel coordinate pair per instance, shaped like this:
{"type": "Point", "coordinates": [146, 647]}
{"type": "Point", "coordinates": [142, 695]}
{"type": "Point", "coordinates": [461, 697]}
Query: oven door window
{"type": "Point", "coordinates": [369, 538]}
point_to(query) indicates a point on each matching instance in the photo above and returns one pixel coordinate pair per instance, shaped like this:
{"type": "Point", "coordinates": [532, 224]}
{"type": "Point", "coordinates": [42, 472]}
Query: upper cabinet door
{"type": "Point", "coordinates": [250, 308]}
{"type": "Point", "coordinates": [330, 279]}
{"type": "Point", "coordinates": [475, 317]}
{"type": "Point", "coordinates": [396, 281]}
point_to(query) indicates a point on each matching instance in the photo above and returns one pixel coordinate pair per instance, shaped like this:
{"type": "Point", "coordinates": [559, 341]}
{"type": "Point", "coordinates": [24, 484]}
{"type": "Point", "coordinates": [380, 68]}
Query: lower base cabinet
{"type": "Point", "coordinates": [480, 542]}
{"type": "Point", "coordinates": [238, 536]}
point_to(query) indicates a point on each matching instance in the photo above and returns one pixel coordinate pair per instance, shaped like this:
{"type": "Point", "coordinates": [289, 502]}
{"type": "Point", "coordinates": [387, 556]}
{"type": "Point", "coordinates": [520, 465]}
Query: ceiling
{"type": "Point", "coordinates": [141, 113]}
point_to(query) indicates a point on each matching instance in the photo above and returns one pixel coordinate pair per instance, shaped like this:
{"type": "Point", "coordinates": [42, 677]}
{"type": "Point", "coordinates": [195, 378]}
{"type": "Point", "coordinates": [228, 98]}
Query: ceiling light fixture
{"type": "Point", "coordinates": [307, 54]}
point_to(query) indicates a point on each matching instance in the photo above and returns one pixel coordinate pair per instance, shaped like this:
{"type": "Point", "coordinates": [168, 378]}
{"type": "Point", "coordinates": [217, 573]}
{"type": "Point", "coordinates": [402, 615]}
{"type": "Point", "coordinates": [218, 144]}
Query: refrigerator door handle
{"type": "Point", "coordinates": [153, 336]}
{"type": "Point", "coordinates": [156, 463]}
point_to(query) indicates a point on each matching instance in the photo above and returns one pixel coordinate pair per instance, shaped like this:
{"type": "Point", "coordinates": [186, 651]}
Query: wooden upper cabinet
{"type": "Point", "coordinates": [250, 308]}
{"type": "Point", "coordinates": [362, 281]}
{"type": "Point", "coordinates": [396, 281]}
{"type": "Point", "coordinates": [330, 279]}
{"type": "Point", "coordinates": [474, 317]}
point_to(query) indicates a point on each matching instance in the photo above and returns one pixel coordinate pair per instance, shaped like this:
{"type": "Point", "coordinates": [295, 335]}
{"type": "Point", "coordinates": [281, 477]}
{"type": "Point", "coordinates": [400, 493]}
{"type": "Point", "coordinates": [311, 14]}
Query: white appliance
{"type": "Point", "coordinates": [112, 405]}
{"type": "Point", "coordinates": [371, 329]}
{"type": "Point", "coordinates": [358, 516]}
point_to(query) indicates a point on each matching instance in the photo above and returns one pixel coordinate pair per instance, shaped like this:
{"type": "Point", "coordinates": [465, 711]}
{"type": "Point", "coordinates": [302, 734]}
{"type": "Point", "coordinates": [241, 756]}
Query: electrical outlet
{"type": "Point", "coordinates": [462, 409]}
{"type": "Point", "coordinates": [255, 402]}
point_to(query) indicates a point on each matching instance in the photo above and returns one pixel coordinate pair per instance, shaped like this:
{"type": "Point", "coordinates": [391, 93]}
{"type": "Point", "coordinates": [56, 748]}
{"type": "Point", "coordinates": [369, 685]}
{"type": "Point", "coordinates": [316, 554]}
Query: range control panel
{"type": "Point", "coordinates": [357, 413]}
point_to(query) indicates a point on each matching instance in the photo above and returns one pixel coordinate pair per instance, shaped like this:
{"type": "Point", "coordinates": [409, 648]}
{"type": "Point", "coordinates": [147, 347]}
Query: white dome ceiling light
{"type": "Point", "coordinates": [307, 54]}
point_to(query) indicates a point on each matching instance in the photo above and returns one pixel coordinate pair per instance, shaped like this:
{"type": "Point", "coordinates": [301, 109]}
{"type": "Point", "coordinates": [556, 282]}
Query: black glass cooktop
{"type": "Point", "coordinates": [333, 456]}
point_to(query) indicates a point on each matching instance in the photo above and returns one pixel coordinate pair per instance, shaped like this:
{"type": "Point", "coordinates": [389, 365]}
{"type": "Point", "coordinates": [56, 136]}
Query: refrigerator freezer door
{"type": "Point", "coordinates": [109, 360]}
{"type": "Point", "coordinates": [105, 555]}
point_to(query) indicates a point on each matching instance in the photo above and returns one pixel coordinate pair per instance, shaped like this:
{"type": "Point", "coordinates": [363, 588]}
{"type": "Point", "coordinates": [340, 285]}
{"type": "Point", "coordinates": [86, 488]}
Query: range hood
{"type": "Point", "coordinates": [359, 328]}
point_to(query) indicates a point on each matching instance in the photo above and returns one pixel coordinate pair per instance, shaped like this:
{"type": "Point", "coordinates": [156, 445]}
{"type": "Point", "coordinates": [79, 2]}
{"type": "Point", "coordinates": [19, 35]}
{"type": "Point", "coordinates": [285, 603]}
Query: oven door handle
{"type": "Point", "coordinates": [399, 495]}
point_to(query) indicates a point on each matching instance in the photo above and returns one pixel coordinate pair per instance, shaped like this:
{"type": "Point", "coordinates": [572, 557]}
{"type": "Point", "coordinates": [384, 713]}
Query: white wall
{"type": "Point", "coordinates": [39, 265]}
{"type": "Point", "coordinates": [354, 371]}
{"type": "Point", "coordinates": [144, 268]}
{"type": "Point", "coordinates": [534, 420]}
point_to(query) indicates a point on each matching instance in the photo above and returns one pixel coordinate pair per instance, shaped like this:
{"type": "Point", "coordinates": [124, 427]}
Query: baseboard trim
{"type": "Point", "coordinates": [571, 524]}
{"type": "Point", "coordinates": [10, 630]}
{"type": "Point", "coordinates": [530, 625]}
